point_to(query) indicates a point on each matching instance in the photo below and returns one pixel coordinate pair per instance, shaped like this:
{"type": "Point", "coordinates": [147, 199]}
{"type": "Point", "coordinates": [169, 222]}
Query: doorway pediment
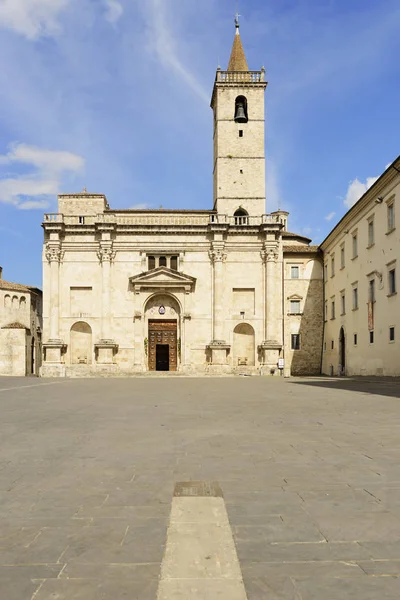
{"type": "Point", "coordinates": [162, 278]}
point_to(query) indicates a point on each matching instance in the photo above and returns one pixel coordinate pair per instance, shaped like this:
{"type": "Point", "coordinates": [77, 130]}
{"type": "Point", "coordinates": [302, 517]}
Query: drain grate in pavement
{"type": "Point", "coordinates": [198, 488]}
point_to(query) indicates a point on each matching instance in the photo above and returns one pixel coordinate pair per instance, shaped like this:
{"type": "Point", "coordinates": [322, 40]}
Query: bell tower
{"type": "Point", "coordinates": [239, 126]}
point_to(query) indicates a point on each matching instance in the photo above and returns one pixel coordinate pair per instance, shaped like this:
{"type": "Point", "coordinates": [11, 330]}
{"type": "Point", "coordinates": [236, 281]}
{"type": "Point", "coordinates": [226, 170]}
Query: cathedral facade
{"type": "Point", "coordinates": [225, 290]}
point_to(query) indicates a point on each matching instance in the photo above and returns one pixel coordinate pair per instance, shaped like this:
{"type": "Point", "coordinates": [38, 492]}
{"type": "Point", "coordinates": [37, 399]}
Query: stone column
{"type": "Point", "coordinates": [54, 347]}
{"type": "Point", "coordinates": [218, 346]}
{"type": "Point", "coordinates": [272, 344]}
{"type": "Point", "coordinates": [106, 347]}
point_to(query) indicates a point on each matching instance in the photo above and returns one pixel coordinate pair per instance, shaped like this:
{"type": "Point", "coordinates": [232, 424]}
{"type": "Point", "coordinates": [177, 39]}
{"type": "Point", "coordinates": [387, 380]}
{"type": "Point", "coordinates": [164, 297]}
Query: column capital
{"type": "Point", "coordinates": [106, 253]}
{"type": "Point", "coordinates": [270, 254]}
{"type": "Point", "coordinates": [217, 254]}
{"type": "Point", "coordinates": [53, 252]}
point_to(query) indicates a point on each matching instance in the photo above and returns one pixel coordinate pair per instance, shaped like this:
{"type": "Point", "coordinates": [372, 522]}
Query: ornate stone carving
{"type": "Point", "coordinates": [269, 254]}
{"type": "Point", "coordinates": [106, 254]}
{"type": "Point", "coordinates": [217, 255]}
{"type": "Point", "coordinates": [54, 253]}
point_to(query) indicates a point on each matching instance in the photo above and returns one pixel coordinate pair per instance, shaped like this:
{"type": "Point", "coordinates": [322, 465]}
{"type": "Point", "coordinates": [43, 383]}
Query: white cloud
{"type": "Point", "coordinates": [140, 206]}
{"type": "Point", "coordinates": [164, 44]}
{"type": "Point", "coordinates": [32, 190]}
{"type": "Point", "coordinates": [32, 18]}
{"type": "Point", "coordinates": [357, 189]}
{"type": "Point", "coordinates": [330, 216]}
{"type": "Point", "coordinates": [114, 10]}
{"type": "Point", "coordinates": [48, 160]}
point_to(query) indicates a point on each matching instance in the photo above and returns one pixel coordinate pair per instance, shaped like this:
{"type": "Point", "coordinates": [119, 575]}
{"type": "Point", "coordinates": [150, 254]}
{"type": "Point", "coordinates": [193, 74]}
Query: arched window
{"type": "Point", "coordinates": [241, 216]}
{"type": "Point", "coordinates": [162, 261]}
{"type": "Point", "coordinates": [7, 301]}
{"type": "Point", "coordinates": [152, 262]}
{"type": "Point", "coordinates": [22, 303]}
{"type": "Point", "coordinates": [241, 115]}
{"type": "Point", "coordinates": [15, 303]}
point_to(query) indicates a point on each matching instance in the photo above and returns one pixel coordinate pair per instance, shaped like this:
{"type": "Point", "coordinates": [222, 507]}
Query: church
{"type": "Point", "coordinates": [225, 290]}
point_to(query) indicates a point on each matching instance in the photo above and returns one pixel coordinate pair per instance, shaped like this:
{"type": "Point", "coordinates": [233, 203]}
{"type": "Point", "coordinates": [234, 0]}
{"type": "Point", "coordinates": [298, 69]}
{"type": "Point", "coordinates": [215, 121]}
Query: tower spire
{"type": "Point", "coordinates": [238, 60]}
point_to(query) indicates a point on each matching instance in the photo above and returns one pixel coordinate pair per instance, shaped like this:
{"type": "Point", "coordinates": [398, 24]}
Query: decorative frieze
{"type": "Point", "coordinates": [217, 255]}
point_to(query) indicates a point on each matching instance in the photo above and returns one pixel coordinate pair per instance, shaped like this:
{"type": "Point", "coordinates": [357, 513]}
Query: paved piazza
{"type": "Point", "coordinates": [309, 471]}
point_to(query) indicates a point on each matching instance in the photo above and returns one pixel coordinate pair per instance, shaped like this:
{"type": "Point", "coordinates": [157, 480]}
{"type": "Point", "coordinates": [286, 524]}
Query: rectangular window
{"type": "Point", "coordinates": [355, 339]}
{"type": "Point", "coordinates": [342, 257]}
{"type": "Point", "coordinates": [240, 132]}
{"type": "Point", "coordinates": [295, 341]}
{"type": "Point", "coordinates": [152, 262]}
{"type": "Point", "coordinates": [294, 272]}
{"type": "Point", "coordinates": [392, 281]}
{"type": "Point", "coordinates": [82, 220]}
{"type": "Point", "coordinates": [295, 307]}
{"type": "Point", "coordinates": [174, 263]}
{"type": "Point", "coordinates": [371, 337]}
{"type": "Point", "coordinates": [332, 344]}
{"type": "Point", "coordinates": [355, 298]}
{"type": "Point", "coordinates": [371, 233]}
{"type": "Point", "coordinates": [162, 261]}
{"type": "Point", "coordinates": [343, 304]}
{"type": "Point", "coordinates": [332, 266]}
{"type": "Point", "coordinates": [371, 290]}
{"type": "Point", "coordinates": [390, 217]}
{"type": "Point", "coordinates": [355, 245]}
{"type": "Point", "coordinates": [326, 272]}
{"type": "Point", "coordinates": [332, 309]}
{"type": "Point", "coordinates": [391, 334]}
{"type": "Point", "coordinates": [326, 311]}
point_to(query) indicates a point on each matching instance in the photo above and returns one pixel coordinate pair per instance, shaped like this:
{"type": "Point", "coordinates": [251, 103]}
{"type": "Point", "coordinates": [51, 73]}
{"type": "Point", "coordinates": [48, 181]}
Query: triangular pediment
{"type": "Point", "coordinates": [162, 277]}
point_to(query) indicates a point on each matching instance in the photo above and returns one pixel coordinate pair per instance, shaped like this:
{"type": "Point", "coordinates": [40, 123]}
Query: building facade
{"type": "Point", "coordinates": [204, 291]}
{"type": "Point", "coordinates": [361, 274]}
{"type": "Point", "coordinates": [20, 329]}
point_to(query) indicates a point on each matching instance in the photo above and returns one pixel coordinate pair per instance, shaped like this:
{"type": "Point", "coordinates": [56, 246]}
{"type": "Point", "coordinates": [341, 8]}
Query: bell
{"type": "Point", "coordinates": [240, 114]}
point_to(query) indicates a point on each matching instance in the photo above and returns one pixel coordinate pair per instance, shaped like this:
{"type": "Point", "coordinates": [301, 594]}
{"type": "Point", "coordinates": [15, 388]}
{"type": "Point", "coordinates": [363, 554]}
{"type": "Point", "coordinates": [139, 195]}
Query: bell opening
{"type": "Point", "coordinates": [241, 110]}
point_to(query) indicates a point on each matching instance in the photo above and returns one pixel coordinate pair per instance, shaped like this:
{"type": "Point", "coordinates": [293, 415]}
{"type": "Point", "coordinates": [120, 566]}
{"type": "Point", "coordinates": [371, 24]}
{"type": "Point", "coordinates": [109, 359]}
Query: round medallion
{"type": "Point", "coordinates": [161, 310]}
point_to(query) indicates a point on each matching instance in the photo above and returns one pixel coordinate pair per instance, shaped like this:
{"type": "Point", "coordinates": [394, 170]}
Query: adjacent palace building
{"type": "Point", "coordinates": [224, 290]}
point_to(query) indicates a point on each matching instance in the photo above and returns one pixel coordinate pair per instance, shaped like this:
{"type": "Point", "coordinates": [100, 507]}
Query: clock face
{"type": "Point", "coordinates": [161, 310]}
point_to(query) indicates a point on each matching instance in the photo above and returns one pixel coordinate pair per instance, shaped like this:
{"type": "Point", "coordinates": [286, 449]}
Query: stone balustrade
{"type": "Point", "coordinates": [240, 76]}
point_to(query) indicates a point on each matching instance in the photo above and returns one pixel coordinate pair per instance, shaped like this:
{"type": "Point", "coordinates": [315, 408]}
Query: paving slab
{"type": "Point", "coordinates": [309, 470]}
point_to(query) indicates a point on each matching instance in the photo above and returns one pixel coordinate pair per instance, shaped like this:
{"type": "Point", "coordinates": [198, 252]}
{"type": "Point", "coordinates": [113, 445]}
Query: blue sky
{"type": "Point", "coordinates": [114, 95]}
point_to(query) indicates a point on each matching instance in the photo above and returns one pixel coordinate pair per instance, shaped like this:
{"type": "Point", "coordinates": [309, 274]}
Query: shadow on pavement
{"type": "Point", "coordinates": [382, 386]}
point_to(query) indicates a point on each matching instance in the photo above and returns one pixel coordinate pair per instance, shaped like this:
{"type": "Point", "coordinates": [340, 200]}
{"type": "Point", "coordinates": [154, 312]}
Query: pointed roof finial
{"type": "Point", "coordinates": [238, 60]}
{"type": "Point", "coordinates": [237, 24]}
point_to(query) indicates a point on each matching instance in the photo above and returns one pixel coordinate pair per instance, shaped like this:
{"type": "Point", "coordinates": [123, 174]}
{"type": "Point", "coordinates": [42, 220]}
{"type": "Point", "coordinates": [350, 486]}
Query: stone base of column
{"type": "Point", "coordinates": [219, 351]}
{"type": "Point", "coordinates": [105, 352]}
{"type": "Point", "coordinates": [270, 352]}
{"type": "Point", "coordinates": [53, 365]}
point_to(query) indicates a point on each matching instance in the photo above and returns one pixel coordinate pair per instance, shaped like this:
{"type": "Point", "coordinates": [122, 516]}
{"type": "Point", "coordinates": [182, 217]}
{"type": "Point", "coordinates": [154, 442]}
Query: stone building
{"type": "Point", "coordinates": [20, 328]}
{"type": "Point", "coordinates": [222, 290]}
{"type": "Point", "coordinates": [362, 308]}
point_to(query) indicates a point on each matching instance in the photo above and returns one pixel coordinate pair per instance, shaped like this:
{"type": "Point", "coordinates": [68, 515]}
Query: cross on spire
{"type": "Point", "coordinates": [237, 24]}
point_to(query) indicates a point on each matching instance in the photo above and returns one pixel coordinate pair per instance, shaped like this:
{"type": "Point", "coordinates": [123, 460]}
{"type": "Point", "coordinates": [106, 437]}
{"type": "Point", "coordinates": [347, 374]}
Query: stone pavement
{"type": "Point", "coordinates": [310, 472]}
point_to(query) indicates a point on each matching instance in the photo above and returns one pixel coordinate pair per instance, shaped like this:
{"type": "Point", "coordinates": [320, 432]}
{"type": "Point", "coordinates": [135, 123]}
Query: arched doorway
{"type": "Point", "coordinates": [81, 344]}
{"type": "Point", "coordinates": [342, 352]}
{"type": "Point", "coordinates": [163, 327]}
{"type": "Point", "coordinates": [33, 365]}
{"type": "Point", "coordinates": [243, 345]}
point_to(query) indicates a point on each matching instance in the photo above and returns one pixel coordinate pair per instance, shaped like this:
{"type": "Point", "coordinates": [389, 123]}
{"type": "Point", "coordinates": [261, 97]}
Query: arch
{"type": "Point", "coordinates": [22, 303]}
{"type": "Point", "coordinates": [171, 304]}
{"type": "Point", "coordinates": [81, 343]}
{"type": "Point", "coordinates": [342, 352]}
{"type": "Point", "coordinates": [241, 114]}
{"type": "Point", "coordinates": [244, 345]}
{"type": "Point", "coordinates": [7, 301]}
{"type": "Point", "coordinates": [15, 302]}
{"type": "Point", "coordinates": [241, 216]}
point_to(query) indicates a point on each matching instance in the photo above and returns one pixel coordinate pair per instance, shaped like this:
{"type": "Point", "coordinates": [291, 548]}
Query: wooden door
{"type": "Point", "coordinates": [163, 333]}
